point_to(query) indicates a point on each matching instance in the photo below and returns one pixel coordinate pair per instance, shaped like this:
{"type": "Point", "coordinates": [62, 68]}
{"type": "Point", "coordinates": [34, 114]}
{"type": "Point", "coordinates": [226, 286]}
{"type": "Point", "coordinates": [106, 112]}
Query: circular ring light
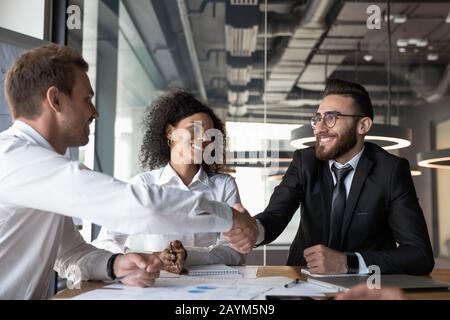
{"type": "Point", "coordinates": [437, 159]}
{"type": "Point", "coordinates": [387, 136]}
{"type": "Point", "coordinates": [303, 137]}
{"type": "Point", "coordinates": [390, 137]}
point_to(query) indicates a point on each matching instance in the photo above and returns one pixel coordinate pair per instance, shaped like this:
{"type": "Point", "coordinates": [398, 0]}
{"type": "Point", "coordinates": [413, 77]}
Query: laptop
{"type": "Point", "coordinates": [403, 281]}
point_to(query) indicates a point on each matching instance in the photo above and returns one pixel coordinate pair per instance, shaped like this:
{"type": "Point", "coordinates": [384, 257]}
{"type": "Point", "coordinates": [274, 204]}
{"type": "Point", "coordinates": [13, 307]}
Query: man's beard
{"type": "Point", "coordinates": [344, 143]}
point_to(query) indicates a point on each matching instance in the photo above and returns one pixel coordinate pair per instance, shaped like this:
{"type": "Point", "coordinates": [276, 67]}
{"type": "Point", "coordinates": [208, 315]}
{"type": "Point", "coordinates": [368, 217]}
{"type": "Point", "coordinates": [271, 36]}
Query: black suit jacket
{"type": "Point", "coordinates": [382, 211]}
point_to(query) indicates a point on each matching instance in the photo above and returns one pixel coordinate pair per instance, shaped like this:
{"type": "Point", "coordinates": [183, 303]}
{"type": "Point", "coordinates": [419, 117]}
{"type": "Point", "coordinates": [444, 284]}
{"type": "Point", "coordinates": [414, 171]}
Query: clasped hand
{"type": "Point", "coordinates": [244, 233]}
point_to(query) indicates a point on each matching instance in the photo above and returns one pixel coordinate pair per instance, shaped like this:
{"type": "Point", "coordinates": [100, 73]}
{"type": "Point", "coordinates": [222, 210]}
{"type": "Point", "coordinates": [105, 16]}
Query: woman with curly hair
{"type": "Point", "coordinates": [174, 143]}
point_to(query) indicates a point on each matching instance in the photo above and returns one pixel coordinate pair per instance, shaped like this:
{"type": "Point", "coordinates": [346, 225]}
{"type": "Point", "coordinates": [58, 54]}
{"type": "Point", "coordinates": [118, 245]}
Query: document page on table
{"type": "Point", "coordinates": [188, 288]}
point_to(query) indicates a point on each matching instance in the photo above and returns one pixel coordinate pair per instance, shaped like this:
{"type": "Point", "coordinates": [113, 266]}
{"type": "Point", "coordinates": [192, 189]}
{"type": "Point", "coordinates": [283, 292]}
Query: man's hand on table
{"type": "Point", "coordinates": [321, 259]}
{"type": "Point", "coordinates": [137, 269]}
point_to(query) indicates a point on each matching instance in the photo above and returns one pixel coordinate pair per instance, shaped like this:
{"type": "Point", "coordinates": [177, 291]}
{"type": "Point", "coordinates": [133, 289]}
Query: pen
{"type": "Point", "coordinates": [292, 283]}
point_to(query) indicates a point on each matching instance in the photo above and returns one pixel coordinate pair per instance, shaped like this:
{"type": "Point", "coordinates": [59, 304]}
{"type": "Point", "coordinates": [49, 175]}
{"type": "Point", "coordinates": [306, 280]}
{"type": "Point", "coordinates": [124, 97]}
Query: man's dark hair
{"type": "Point", "coordinates": [353, 90]}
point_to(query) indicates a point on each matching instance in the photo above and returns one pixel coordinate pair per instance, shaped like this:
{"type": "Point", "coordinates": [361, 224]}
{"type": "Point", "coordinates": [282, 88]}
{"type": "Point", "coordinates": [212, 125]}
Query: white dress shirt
{"type": "Point", "coordinates": [40, 188]}
{"type": "Point", "coordinates": [202, 248]}
{"type": "Point", "coordinates": [347, 182]}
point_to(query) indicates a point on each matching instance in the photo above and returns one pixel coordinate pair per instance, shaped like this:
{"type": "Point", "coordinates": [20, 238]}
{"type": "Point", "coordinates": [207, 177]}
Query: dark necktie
{"type": "Point", "coordinates": [338, 206]}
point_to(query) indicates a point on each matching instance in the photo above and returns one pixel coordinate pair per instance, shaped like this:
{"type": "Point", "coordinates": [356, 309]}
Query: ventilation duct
{"type": "Point", "coordinates": [237, 111]}
{"type": "Point", "coordinates": [242, 19]}
{"type": "Point", "coordinates": [241, 27]}
{"type": "Point", "coordinates": [238, 95]}
{"type": "Point", "coordinates": [239, 70]}
{"type": "Point", "coordinates": [292, 61]}
{"type": "Point", "coordinates": [277, 28]}
{"type": "Point", "coordinates": [442, 90]}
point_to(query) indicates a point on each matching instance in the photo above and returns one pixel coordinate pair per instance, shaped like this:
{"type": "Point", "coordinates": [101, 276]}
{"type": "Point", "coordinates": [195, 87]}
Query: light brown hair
{"type": "Point", "coordinates": [28, 80]}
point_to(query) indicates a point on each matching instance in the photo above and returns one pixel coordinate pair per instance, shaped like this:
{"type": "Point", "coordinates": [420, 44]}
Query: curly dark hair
{"type": "Point", "coordinates": [168, 110]}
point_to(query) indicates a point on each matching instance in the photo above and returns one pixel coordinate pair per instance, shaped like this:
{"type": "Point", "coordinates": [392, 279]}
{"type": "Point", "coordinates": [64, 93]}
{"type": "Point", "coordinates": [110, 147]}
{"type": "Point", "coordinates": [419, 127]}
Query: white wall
{"type": "Point", "coordinates": [24, 16]}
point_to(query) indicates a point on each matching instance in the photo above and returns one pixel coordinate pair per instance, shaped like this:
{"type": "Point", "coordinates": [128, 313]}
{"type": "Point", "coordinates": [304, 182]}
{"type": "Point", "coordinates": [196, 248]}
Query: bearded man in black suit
{"type": "Point", "coordinates": [358, 202]}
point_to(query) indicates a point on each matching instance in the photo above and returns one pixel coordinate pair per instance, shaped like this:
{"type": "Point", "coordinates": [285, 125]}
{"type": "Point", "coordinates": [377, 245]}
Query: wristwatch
{"type": "Point", "coordinates": [352, 263]}
{"type": "Point", "coordinates": [110, 266]}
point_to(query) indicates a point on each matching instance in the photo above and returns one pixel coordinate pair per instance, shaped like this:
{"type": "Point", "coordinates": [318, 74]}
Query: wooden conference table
{"type": "Point", "coordinates": [291, 272]}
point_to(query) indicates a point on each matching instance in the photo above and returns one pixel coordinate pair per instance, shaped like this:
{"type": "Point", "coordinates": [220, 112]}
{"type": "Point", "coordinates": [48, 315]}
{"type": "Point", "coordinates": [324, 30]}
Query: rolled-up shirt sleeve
{"type": "Point", "coordinates": [76, 257]}
{"type": "Point", "coordinates": [35, 177]}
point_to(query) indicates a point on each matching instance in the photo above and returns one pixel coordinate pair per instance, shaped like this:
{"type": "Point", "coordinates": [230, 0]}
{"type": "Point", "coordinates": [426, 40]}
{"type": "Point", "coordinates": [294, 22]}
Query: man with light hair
{"type": "Point", "coordinates": [50, 98]}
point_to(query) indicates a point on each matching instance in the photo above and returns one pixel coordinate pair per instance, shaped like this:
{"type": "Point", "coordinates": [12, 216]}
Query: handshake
{"type": "Point", "coordinates": [142, 269]}
{"type": "Point", "coordinates": [244, 233]}
{"type": "Point", "coordinates": [241, 237]}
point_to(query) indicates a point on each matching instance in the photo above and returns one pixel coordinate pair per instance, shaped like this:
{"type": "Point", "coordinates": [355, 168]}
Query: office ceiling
{"type": "Point", "coordinates": [307, 41]}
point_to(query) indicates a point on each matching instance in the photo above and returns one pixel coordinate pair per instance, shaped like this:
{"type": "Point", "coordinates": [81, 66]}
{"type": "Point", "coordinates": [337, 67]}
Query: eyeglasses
{"type": "Point", "coordinates": [329, 118]}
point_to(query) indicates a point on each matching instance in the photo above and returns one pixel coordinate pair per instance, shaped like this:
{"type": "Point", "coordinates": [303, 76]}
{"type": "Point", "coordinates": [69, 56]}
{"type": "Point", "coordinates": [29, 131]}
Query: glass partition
{"type": "Point", "coordinates": [442, 187]}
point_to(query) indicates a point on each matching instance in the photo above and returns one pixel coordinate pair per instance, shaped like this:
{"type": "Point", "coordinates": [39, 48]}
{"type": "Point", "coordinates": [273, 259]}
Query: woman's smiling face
{"type": "Point", "coordinates": [188, 134]}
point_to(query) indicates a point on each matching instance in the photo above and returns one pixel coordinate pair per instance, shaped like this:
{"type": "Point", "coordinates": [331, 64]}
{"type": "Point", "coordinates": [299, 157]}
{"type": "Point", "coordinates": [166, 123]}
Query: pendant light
{"type": "Point", "coordinates": [436, 159]}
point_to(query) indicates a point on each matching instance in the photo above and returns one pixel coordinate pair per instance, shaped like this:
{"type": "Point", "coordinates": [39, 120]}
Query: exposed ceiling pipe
{"type": "Point", "coordinates": [292, 59]}
{"type": "Point", "coordinates": [282, 23]}
{"type": "Point", "coordinates": [277, 28]}
{"type": "Point", "coordinates": [316, 13]}
{"type": "Point", "coordinates": [241, 32]}
{"type": "Point", "coordinates": [191, 48]}
{"type": "Point", "coordinates": [279, 6]}
{"type": "Point", "coordinates": [442, 90]}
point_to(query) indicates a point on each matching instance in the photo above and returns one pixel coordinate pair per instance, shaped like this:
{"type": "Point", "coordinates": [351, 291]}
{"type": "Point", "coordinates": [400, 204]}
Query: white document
{"type": "Point", "coordinates": [198, 288]}
{"type": "Point", "coordinates": [244, 286]}
{"type": "Point", "coordinates": [301, 289]}
{"type": "Point", "coordinates": [183, 288]}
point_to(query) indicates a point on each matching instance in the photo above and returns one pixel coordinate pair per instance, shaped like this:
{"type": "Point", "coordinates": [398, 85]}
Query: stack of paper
{"type": "Point", "coordinates": [211, 270]}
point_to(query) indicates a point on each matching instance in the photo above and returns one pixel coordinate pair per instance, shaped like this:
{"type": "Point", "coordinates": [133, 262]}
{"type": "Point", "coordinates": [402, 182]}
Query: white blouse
{"type": "Point", "coordinates": [202, 248]}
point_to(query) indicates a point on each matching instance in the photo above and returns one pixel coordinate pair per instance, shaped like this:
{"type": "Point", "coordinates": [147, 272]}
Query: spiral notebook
{"type": "Point", "coordinates": [211, 270]}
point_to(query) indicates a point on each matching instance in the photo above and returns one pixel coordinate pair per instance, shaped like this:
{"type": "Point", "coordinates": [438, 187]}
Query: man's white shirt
{"type": "Point", "coordinates": [202, 248]}
{"type": "Point", "coordinates": [40, 189]}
